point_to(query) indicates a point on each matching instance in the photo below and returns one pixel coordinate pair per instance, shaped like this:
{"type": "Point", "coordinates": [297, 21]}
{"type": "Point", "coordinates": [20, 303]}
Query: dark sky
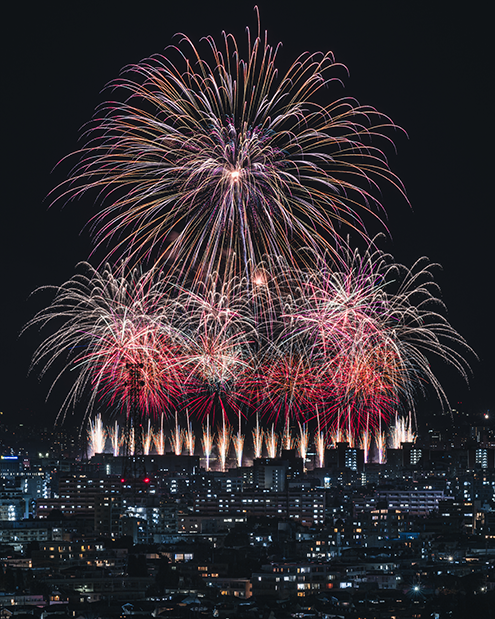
{"type": "Point", "coordinates": [430, 70]}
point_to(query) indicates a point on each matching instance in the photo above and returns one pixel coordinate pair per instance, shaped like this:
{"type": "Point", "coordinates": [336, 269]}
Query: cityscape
{"type": "Point", "coordinates": [204, 535]}
{"type": "Point", "coordinates": [237, 381]}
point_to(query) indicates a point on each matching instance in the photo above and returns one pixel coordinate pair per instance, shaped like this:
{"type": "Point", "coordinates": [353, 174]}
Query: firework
{"type": "Point", "coordinates": [97, 436]}
{"type": "Point", "coordinates": [130, 439]}
{"type": "Point", "coordinates": [238, 441]}
{"type": "Point", "coordinates": [352, 343]}
{"type": "Point", "coordinates": [176, 437]}
{"type": "Point", "coordinates": [271, 442]}
{"type": "Point", "coordinates": [147, 440]}
{"type": "Point", "coordinates": [320, 442]}
{"type": "Point", "coordinates": [159, 439]}
{"type": "Point", "coordinates": [115, 438]}
{"type": "Point", "coordinates": [381, 443]}
{"type": "Point", "coordinates": [220, 157]}
{"type": "Point", "coordinates": [284, 385]}
{"type": "Point", "coordinates": [231, 178]}
{"type": "Point", "coordinates": [189, 439]}
{"type": "Point", "coordinates": [115, 335]}
{"type": "Point", "coordinates": [365, 441]}
{"type": "Point", "coordinates": [303, 442]}
{"type": "Point", "coordinates": [207, 442]}
{"type": "Point", "coordinates": [401, 432]}
{"type": "Point", "coordinates": [223, 443]}
{"type": "Point", "coordinates": [368, 330]}
{"type": "Point", "coordinates": [217, 346]}
{"type": "Point", "coordinates": [258, 439]}
{"type": "Point", "coordinates": [287, 441]}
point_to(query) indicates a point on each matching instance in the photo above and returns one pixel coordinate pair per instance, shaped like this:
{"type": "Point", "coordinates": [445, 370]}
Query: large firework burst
{"type": "Point", "coordinates": [218, 339]}
{"type": "Point", "coordinates": [355, 341]}
{"type": "Point", "coordinates": [112, 327]}
{"type": "Point", "coordinates": [234, 181]}
{"type": "Point", "coordinates": [371, 329]}
{"type": "Point", "coordinates": [219, 158]}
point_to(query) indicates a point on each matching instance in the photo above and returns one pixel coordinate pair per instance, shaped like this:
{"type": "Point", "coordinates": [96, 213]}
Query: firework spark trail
{"type": "Point", "coordinates": [258, 439]}
{"type": "Point", "coordinates": [321, 445]}
{"type": "Point", "coordinates": [223, 157]}
{"type": "Point", "coordinates": [115, 438]}
{"type": "Point", "coordinates": [224, 436]}
{"type": "Point", "coordinates": [147, 440]}
{"type": "Point", "coordinates": [287, 441]}
{"type": "Point", "coordinates": [207, 442]}
{"type": "Point", "coordinates": [271, 439]}
{"type": "Point", "coordinates": [97, 436]}
{"type": "Point", "coordinates": [159, 439]}
{"type": "Point", "coordinates": [401, 432]}
{"type": "Point", "coordinates": [132, 442]}
{"type": "Point", "coordinates": [365, 441]}
{"type": "Point", "coordinates": [303, 442]}
{"type": "Point", "coordinates": [176, 437]}
{"type": "Point", "coordinates": [320, 442]}
{"type": "Point", "coordinates": [189, 438]}
{"type": "Point", "coordinates": [381, 443]}
{"type": "Point", "coordinates": [238, 441]}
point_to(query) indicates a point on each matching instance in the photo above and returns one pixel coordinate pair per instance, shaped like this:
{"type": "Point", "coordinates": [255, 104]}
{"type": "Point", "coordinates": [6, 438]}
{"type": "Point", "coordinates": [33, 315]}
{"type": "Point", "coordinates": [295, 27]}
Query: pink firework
{"type": "Point", "coordinates": [113, 332]}
{"type": "Point", "coordinates": [217, 333]}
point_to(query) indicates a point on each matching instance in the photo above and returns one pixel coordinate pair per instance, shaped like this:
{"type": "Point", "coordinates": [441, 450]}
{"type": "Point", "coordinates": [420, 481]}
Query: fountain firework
{"type": "Point", "coordinates": [365, 442]}
{"type": "Point", "coordinates": [381, 444]}
{"type": "Point", "coordinates": [287, 441]}
{"type": "Point", "coordinates": [238, 441]}
{"type": "Point", "coordinates": [97, 436]}
{"type": "Point", "coordinates": [320, 442]}
{"type": "Point", "coordinates": [147, 439]}
{"type": "Point", "coordinates": [303, 442]}
{"type": "Point", "coordinates": [401, 432]}
{"type": "Point", "coordinates": [176, 437]}
{"type": "Point", "coordinates": [115, 438]}
{"type": "Point", "coordinates": [207, 442]}
{"type": "Point", "coordinates": [258, 439]}
{"type": "Point", "coordinates": [159, 439]}
{"type": "Point", "coordinates": [271, 442]}
{"type": "Point", "coordinates": [223, 443]}
{"type": "Point", "coordinates": [189, 438]}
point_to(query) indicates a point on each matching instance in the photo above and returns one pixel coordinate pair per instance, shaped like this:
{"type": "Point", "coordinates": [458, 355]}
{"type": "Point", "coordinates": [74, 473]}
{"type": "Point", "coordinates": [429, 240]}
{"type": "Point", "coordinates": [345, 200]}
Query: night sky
{"type": "Point", "coordinates": [429, 70]}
